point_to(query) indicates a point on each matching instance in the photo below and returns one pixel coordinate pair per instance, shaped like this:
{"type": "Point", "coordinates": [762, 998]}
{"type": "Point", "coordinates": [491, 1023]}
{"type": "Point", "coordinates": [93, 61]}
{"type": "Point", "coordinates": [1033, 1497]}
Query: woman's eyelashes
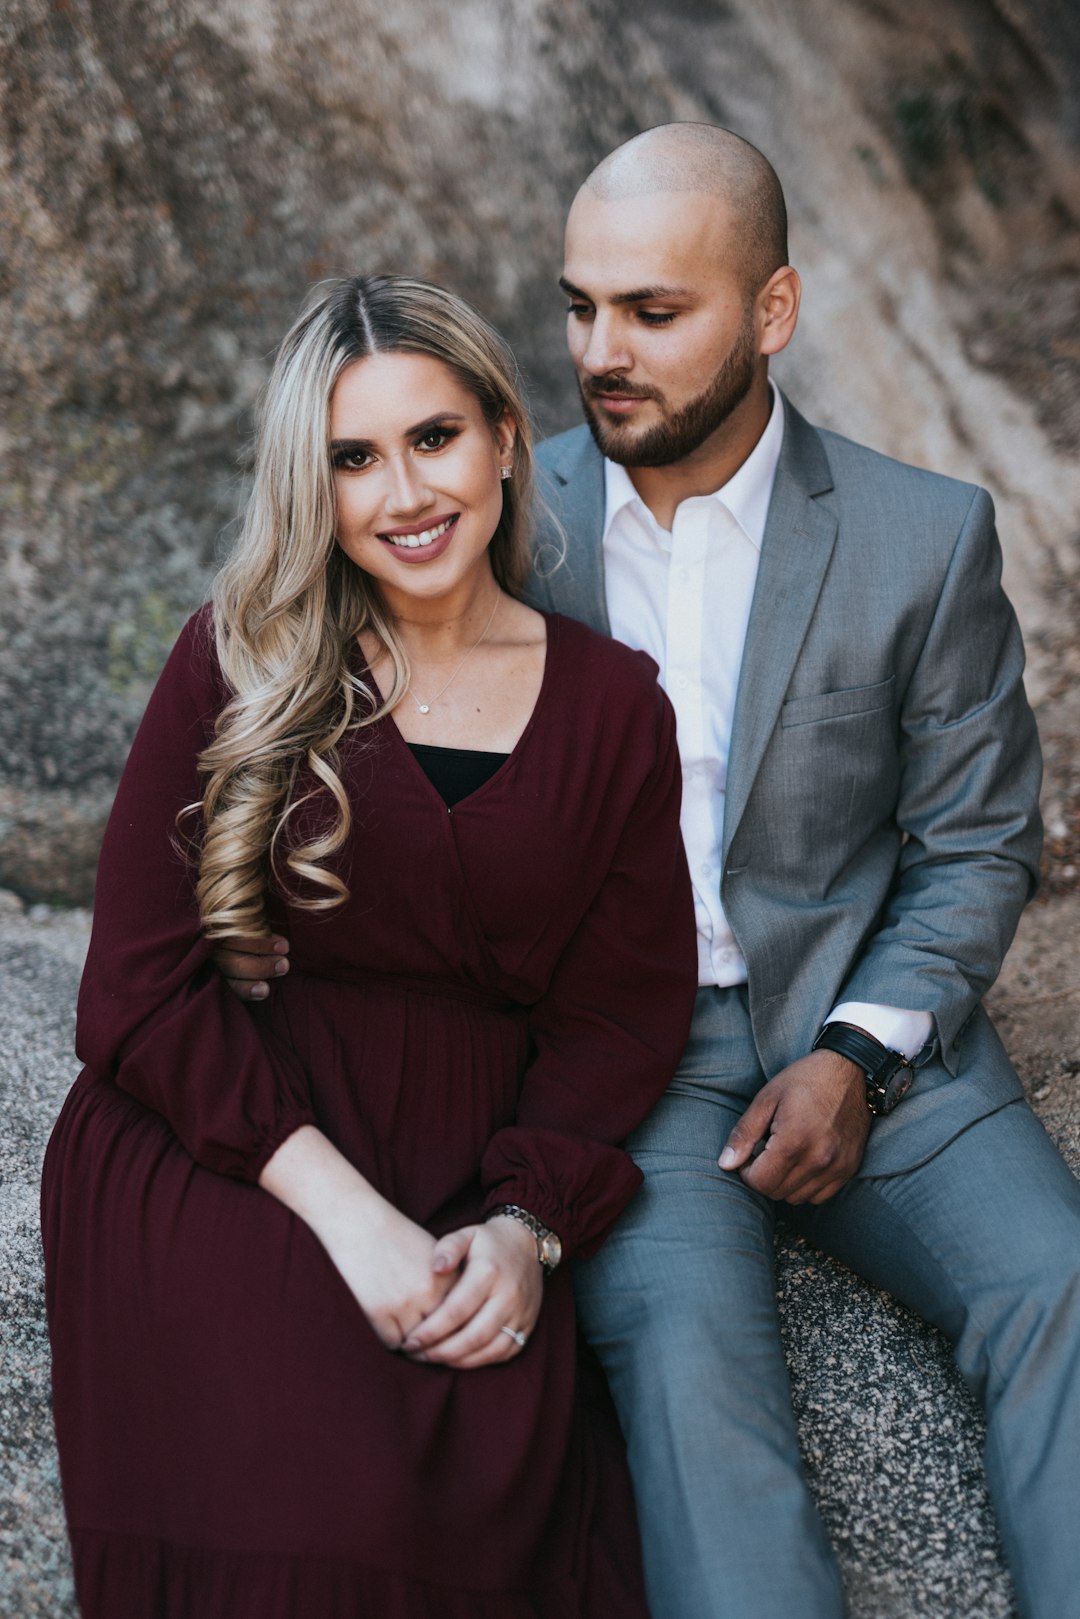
{"type": "Point", "coordinates": [350, 457]}
{"type": "Point", "coordinates": [355, 456]}
{"type": "Point", "coordinates": [435, 438]}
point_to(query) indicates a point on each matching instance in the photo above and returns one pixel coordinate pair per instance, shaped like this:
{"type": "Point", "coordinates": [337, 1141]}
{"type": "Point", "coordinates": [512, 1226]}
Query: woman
{"type": "Point", "coordinates": [306, 1361]}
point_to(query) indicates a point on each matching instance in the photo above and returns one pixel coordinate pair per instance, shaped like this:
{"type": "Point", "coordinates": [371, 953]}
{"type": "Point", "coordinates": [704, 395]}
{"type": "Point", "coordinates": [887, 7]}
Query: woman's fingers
{"type": "Point", "coordinates": [460, 1305]}
{"type": "Point", "coordinates": [452, 1250]}
{"type": "Point", "coordinates": [482, 1339]}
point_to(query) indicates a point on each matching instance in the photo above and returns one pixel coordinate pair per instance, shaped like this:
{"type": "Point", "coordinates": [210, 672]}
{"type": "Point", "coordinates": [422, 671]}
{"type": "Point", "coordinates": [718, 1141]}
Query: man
{"type": "Point", "coordinates": [860, 787]}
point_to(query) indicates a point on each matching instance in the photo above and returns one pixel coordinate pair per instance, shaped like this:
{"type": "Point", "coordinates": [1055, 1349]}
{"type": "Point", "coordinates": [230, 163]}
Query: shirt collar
{"type": "Point", "coordinates": [746, 494]}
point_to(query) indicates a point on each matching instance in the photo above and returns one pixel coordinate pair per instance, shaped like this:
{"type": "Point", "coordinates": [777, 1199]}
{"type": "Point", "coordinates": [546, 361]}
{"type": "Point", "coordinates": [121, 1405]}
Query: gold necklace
{"type": "Point", "coordinates": [425, 708]}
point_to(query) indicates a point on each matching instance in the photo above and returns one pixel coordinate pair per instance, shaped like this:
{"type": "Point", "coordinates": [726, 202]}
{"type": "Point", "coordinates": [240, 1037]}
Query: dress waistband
{"type": "Point", "coordinates": [405, 983]}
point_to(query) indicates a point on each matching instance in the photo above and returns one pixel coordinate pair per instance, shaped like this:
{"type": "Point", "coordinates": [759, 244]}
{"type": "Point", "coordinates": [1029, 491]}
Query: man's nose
{"type": "Point", "coordinates": [605, 350]}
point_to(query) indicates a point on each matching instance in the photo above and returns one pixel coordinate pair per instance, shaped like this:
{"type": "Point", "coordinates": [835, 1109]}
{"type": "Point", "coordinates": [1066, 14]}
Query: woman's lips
{"type": "Point", "coordinates": [421, 542]}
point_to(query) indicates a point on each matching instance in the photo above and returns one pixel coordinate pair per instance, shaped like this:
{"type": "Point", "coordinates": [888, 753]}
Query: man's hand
{"type": "Point", "coordinates": [812, 1121]}
{"type": "Point", "coordinates": [249, 965]}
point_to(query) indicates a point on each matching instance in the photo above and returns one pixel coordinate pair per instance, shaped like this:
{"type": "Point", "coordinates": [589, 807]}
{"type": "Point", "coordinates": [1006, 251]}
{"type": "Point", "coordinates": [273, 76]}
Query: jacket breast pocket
{"type": "Point", "coordinates": [837, 705]}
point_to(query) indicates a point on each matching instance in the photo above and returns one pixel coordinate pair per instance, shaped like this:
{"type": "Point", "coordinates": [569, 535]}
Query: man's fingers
{"type": "Point", "coordinates": [249, 965]}
{"type": "Point", "coordinates": [751, 1129]}
{"type": "Point", "coordinates": [248, 991]}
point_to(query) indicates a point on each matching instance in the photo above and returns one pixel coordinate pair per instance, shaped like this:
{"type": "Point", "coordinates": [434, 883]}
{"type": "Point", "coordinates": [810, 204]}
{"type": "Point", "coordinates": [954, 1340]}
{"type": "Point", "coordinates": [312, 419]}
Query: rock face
{"type": "Point", "coordinates": [175, 173]}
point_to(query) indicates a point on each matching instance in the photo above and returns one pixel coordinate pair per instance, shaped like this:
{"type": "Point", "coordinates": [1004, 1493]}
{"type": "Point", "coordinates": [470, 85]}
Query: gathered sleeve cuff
{"type": "Point", "coordinates": [155, 1017]}
{"type": "Point", "coordinates": [610, 1029]}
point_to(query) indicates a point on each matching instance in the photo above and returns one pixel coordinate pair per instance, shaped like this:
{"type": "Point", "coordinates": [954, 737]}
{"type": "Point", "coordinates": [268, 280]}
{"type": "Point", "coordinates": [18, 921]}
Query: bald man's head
{"type": "Point", "coordinates": [715, 163]}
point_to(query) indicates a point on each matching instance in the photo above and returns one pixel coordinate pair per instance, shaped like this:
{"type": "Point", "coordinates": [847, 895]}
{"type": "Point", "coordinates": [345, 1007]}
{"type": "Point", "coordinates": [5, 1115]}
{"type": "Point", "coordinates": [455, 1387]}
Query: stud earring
{"type": "Point", "coordinates": [506, 472]}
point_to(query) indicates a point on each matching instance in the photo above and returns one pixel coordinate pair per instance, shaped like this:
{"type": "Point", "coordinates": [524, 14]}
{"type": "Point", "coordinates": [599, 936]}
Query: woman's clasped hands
{"type": "Point", "coordinates": [445, 1302]}
{"type": "Point", "coordinates": [491, 1309]}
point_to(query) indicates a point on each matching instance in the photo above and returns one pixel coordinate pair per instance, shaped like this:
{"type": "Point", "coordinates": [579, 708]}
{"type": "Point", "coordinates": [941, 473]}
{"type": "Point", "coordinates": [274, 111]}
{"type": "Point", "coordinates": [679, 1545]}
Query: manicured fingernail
{"type": "Point", "coordinates": [281, 966]}
{"type": "Point", "coordinates": [259, 992]}
{"type": "Point", "coordinates": [727, 1158]}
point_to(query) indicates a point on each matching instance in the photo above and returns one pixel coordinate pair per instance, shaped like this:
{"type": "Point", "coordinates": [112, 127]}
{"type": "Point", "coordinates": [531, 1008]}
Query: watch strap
{"type": "Point", "coordinates": [879, 1064]}
{"type": "Point", "coordinates": [547, 1242]}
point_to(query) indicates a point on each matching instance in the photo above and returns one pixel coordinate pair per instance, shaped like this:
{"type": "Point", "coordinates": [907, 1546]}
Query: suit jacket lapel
{"type": "Point", "coordinates": [575, 491]}
{"type": "Point", "coordinates": [799, 536]}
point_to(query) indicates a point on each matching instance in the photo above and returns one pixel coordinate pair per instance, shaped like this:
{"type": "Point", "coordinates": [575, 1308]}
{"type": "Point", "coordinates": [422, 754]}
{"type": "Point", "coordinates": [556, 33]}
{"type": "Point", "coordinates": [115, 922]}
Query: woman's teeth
{"type": "Point", "coordinates": [425, 537]}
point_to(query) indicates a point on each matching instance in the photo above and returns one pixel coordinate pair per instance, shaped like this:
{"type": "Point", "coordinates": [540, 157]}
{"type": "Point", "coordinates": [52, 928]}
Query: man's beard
{"type": "Point", "coordinates": [678, 435]}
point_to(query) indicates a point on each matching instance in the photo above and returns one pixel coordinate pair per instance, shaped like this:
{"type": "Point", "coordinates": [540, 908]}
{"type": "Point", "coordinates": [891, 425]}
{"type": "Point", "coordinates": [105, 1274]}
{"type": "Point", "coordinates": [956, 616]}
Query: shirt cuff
{"type": "Point", "coordinates": [905, 1032]}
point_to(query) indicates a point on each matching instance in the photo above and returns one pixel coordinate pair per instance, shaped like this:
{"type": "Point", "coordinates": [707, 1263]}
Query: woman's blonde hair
{"type": "Point", "coordinates": [288, 604]}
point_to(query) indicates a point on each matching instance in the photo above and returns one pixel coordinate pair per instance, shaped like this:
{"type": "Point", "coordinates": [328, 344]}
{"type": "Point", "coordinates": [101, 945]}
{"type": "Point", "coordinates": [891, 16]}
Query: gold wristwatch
{"type": "Point", "coordinates": [548, 1246]}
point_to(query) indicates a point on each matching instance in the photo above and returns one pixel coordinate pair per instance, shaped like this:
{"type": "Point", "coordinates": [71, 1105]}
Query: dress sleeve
{"type": "Point", "coordinates": [155, 1016]}
{"type": "Point", "coordinates": [610, 1029]}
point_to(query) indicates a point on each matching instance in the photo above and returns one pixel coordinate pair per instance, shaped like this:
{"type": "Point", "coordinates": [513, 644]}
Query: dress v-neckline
{"type": "Point", "coordinates": [511, 758]}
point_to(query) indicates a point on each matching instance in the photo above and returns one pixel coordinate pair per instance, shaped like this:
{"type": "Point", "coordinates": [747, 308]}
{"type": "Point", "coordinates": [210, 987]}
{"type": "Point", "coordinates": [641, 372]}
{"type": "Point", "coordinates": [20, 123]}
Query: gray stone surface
{"type": "Point", "coordinates": [891, 1438]}
{"type": "Point", "coordinates": [175, 173]}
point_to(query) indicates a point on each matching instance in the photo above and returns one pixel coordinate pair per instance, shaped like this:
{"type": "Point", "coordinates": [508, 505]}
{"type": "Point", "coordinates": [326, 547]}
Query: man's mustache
{"type": "Point", "coordinates": [609, 385]}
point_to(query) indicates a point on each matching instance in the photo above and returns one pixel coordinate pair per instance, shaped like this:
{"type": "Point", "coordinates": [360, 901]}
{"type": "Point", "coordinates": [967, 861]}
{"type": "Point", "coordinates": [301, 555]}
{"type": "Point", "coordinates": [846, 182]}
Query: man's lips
{"type": "Point", "coordinates": [619, 404]}
{"type": "Point", "coordinates": [619, 401]}
{"type": "Point", "coordinates": [421, 542]}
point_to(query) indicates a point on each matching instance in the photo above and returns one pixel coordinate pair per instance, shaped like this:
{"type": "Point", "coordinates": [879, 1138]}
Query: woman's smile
{"type": "Point", "coordinates": [429, 540]}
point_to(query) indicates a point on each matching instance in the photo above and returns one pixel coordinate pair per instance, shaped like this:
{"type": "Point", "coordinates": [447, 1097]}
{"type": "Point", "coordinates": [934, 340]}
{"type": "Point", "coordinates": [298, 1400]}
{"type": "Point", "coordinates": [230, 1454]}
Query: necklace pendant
{"type": "Point", "coordinates": [425, 708]}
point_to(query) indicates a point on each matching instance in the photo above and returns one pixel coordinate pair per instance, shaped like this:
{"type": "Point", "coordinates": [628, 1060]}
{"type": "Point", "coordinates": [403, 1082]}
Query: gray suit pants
{"type": "Point", "coordinates": [983, 1240]}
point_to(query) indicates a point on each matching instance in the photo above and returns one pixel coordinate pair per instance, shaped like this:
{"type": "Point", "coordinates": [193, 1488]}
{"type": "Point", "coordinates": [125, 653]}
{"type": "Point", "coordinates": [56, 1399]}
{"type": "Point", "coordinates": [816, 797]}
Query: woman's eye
{"type": "Point", "coordinates": [435, 438]}
{"type": "Point", "coordinates": [350, 460]}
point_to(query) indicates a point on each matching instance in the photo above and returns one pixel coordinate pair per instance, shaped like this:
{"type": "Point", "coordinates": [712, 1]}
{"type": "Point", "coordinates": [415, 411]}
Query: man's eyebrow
{"type": "Point", "coordinates": [638, 295]}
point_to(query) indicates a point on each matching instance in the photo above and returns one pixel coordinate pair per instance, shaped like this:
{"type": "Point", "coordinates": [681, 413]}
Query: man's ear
{"type": "Point", "coordinates": [777, 310]}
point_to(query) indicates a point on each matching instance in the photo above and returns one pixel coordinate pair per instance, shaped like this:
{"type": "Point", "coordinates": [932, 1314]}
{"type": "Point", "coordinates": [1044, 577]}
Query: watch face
{"type": "Point", "coordinates": [898, 1087]}
{"type": "Point", "coordinates": [550, 1251]}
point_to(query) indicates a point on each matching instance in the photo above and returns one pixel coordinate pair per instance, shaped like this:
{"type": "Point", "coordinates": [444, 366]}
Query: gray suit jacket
{"type": "Point", "coordinates": [881, 828]}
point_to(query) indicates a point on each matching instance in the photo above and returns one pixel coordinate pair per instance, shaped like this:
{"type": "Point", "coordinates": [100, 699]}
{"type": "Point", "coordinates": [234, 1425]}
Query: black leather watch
{"type": "Point", "coordinates": [888, 1074]}
{"type": "Point", "coordinates": [548, 1246]}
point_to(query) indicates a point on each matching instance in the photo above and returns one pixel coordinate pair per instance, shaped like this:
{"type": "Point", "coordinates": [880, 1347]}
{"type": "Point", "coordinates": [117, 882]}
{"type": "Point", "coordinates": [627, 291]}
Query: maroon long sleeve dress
{"type": "Point", "coordinates": [501, 1000]}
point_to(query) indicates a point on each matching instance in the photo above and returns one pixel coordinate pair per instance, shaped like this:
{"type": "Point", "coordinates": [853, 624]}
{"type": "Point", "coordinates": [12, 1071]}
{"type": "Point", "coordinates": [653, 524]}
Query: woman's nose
{"type": "Point", "coordinates": [407, 492]}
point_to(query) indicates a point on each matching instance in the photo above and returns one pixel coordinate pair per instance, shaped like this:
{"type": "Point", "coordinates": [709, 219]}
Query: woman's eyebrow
{"type": "Point", "coordinates": [434, 421]}
{"type": "Point", "coordinates": [353, 444]}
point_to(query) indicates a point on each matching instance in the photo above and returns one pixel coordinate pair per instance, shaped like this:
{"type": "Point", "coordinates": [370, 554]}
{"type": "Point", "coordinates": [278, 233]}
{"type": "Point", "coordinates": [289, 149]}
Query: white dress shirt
{"type": "Point", "coordinates": [684, 598]}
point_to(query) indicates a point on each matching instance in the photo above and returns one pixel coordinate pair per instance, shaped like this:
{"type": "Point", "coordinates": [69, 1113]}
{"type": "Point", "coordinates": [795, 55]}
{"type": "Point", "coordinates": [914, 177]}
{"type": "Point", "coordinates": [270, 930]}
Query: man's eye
{"type": "Point", "coordinates": [654, 317]}
{"type": "Point", "coordinates": [579, 311]}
